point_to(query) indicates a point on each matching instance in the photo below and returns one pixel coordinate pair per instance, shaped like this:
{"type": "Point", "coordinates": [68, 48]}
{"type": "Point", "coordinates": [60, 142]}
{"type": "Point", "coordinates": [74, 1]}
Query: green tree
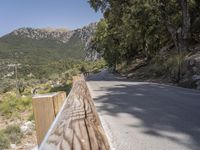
{"type": "Point", "coordinates": [141, 28]}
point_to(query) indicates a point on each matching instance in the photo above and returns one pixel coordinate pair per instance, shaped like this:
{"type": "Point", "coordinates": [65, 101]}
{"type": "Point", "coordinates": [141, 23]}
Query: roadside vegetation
{"type": "Point", "coordinates": [16, 93]}
{"type": "Point", "coordinates": [11, 134]}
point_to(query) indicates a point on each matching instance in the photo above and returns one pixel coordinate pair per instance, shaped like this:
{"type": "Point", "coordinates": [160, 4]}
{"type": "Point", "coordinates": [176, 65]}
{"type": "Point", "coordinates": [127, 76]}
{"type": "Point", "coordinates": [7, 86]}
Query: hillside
{"type": "Point", "coordinates": [38, 46]}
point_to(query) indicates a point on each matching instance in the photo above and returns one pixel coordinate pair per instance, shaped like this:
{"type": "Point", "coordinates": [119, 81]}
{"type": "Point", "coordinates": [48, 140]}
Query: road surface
{"type": "Point", "coordinates": [146, 116]}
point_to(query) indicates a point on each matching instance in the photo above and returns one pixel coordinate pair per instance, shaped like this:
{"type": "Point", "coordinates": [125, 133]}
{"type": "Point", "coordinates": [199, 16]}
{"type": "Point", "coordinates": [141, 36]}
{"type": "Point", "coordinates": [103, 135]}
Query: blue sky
{"type": "Point", "coordinates": [70, 14]}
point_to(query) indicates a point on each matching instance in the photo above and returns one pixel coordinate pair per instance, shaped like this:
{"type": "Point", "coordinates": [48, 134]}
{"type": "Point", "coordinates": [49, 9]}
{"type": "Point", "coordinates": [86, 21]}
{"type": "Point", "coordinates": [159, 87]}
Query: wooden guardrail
{"type": "Point", "coordinates": [77, 126]}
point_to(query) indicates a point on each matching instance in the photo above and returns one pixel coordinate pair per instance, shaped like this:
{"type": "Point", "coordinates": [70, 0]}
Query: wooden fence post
{"type": "Point", "coordinates": [45, 108]}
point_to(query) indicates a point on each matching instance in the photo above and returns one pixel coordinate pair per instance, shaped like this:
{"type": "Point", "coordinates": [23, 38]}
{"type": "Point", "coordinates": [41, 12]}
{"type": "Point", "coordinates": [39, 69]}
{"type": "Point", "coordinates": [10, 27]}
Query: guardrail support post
{"type": "Point", "coordinates": [45, 108]}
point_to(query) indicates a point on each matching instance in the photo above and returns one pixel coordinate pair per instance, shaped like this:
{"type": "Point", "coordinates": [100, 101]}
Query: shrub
{"type": "Point", "coordinates": [11, 134]}
{"type": "Point", "coordinates": [161, 66]}
{"type": "Point", "coordinates": [31, 117]}
{"type": "Point", "coordinates": [65, 88]}
{"type": "Point", "coordinates": [156, 67]}
{"type": "Point", "coordinates": [14, 133]}
{"type": "Point", "coordinates": [4, 140]}
{"type": "Point", "coordinates": [13, 103]}
{"type": "Point", "coordinates": [71, 72]}
{"type": "Point", "coordinates": [21, 86]}
{"type": "Point", "coordinates": [173, 65]}
{"type": "Point", "coordinates": [6, 85]}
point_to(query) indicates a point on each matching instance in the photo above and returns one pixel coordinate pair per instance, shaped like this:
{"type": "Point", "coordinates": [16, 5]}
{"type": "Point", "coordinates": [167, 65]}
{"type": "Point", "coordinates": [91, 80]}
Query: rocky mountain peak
{"type": "Point", "coordinates": [60, 34]}
{"type": "Point", "coordinates": [49, 29]}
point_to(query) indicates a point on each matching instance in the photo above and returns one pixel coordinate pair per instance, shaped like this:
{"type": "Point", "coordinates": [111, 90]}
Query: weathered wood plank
{"type": "Point", "coordinates": [58, 100]}
{"type": "Point", "coordinates": [43, 108]}
{"type": "Point", "coordinates": [77, 126]}
{"type": "Point", "coordinates": [46, 107]}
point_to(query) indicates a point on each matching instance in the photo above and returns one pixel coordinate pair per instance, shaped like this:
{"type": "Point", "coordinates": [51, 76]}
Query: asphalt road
{"type": "Point", "coordinates": [146, 116]}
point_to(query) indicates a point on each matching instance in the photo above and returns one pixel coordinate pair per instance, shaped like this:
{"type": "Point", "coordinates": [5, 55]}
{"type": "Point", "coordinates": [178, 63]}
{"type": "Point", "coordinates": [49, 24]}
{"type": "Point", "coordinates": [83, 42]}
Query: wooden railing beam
{"type": "Point", "coordinates": [77, 126]}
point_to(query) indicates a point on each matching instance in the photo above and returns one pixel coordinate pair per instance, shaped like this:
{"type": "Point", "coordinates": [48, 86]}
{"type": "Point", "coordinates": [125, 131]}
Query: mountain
{"type": "Point", "coordinates": [39, 46]}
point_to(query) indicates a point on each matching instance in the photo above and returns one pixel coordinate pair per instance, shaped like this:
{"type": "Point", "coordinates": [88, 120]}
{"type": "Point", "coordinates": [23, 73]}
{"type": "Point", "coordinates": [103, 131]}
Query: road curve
{"type": "Point", "coordinates": [146, 116]}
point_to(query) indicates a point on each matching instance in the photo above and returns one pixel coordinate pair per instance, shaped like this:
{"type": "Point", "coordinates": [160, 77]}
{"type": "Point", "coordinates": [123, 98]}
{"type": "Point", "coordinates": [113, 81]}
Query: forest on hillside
{"type": "Point", "coordinates": [160, 34]}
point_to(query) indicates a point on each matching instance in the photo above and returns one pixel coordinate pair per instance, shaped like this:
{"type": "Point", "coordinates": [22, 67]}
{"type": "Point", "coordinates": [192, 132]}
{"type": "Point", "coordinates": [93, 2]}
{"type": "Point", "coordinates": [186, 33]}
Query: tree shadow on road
{"type": "Point", "coordinates": [161, 109]}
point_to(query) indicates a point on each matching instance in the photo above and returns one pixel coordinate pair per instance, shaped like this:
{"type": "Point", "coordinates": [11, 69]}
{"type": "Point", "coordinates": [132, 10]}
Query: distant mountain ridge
{"type": "Point", "coordinates": [29, 45]}
{"type": "Point", "coordinates": [59, 34]}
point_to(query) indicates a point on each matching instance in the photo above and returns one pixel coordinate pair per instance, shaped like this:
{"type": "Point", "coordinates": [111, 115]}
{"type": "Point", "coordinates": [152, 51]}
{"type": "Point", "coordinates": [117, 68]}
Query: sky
{"type": "Point", "coordinates": [69, 14]}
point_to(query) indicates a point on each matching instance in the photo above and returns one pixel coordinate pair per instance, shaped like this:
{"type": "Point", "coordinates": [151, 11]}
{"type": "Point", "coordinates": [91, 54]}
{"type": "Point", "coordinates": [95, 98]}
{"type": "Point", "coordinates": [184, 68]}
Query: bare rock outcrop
{"type": "Point", "coordinates": [191, 71]}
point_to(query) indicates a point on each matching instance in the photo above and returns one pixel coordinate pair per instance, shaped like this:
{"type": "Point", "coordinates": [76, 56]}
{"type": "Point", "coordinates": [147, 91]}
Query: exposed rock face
{"type": "Point", "coordinates": [91, 54]}
{"type": "Point", "coordinates": [62, 35]}
{"type": "Point", "coordinates": [191, 71]}
{"type": "Point", "coordinates": [27, 127]}
{"type": "Point", "coordinates": [86, 32]}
